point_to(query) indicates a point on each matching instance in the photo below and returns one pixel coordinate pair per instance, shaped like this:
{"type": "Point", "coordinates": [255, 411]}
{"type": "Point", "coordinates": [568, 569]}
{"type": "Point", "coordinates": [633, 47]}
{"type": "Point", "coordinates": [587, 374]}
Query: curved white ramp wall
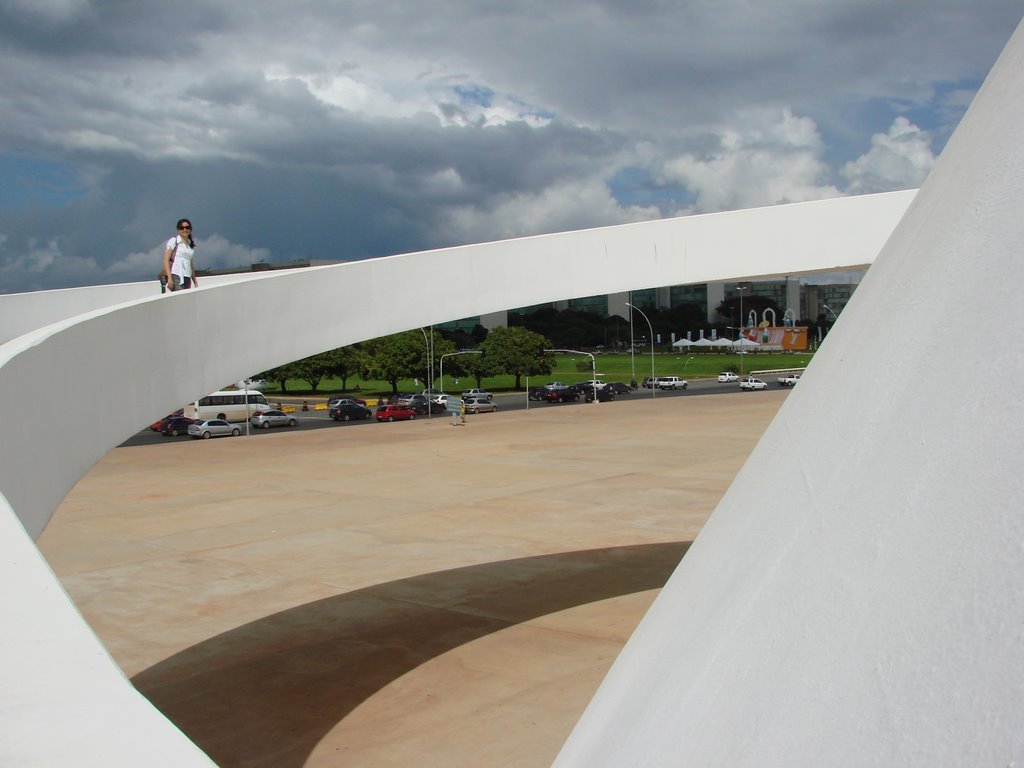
{"type": "Point", "coordinates": [140, 345]}
{"type": "Point", "coordinates": [55, 679]}
{"type": "Point", "coordinates": [856, 597]}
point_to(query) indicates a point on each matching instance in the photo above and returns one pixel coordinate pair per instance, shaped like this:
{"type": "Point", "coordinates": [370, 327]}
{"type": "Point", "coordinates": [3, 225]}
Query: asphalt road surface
{"type": "Point", "coordinates": [313, 419]}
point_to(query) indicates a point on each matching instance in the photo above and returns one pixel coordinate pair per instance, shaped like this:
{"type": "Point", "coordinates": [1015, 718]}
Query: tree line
{"type": "Point", "coordinates": [511, 351]}
{"type": "Point", "coordinates": [516, 350]}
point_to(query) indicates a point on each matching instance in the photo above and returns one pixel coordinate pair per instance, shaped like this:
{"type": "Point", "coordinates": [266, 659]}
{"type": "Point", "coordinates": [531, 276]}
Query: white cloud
{"type": "Point", "coordinates": [36, 266]}
{"type": "Point", "coordinates": [217, 252]}
{"type": "Point", "coordinates": [764, 158]}
{"type": "Point", "coordinates": [573, 204]}
{"type": "Point", "coordinates": [898, 159]}
{"type": "Point", "coordinates": [347, 129]}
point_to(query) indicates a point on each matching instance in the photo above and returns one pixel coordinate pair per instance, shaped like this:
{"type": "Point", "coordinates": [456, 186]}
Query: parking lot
{"type": "Point", "coordinates": [316, 416]}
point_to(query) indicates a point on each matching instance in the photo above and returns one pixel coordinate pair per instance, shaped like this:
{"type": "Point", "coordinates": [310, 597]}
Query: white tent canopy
{"type": "Point", "coordinates": [682, 343]}
{"type": "Point", "coordinates": [743, 341]}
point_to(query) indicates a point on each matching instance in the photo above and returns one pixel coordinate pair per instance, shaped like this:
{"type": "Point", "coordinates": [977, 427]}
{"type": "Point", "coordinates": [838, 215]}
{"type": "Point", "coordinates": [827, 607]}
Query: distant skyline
{"type": "Point", "coordinates": [347, 130]}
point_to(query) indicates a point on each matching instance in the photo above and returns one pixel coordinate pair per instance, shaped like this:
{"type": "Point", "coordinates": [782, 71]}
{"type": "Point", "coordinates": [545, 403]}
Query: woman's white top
{"type": "Point", "coordinates": [182, 264]}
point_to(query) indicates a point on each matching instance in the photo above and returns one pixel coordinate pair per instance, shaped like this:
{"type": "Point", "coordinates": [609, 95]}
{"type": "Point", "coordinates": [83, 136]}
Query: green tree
{"type": "Point", "coordinates": [441, 346]}
{"type": "Point", "coordinates": [393, 358]}
{"type": "Point", "coordinates": [478, 367]}
{"type": "Point", "coordinates": [516, 351]}
{"type": "Point", "coordinates": [343, 362]}
{"type": "Point", "coordinates": [311, 369]}
{"type": "Point", "coordinates": [281, 374]}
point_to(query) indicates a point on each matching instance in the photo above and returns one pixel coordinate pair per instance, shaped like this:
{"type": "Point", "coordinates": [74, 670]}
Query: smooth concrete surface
{"type": "Point", "coordinates": [134, 361]}
{"type": "Point", "coordinates": [395, 594]}
{"type": "Point", "coordinates": [22, 313]}
{"type": "Point", "coordinates": [855, 599]}
{"type": "Point", "coordinates": [171, 349]}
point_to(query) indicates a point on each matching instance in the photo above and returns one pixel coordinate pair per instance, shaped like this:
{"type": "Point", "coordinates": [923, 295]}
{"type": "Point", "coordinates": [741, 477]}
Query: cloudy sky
{"type": "Point", "coordinates": [358, 128]}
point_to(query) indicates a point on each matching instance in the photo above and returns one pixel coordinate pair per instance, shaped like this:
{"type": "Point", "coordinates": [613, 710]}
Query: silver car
{"type": "Point", "coordinates": [478, 405]}
{"type": "Point", "coordinates": [213, 428]}
{"type": "Point", "coordinates": [268, 419]}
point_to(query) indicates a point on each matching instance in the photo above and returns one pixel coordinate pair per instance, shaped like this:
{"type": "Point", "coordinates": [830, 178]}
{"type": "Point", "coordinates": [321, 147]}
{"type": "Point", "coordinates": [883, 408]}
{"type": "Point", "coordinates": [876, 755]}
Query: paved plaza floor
{"type": "Point", "coordinates": [408, 594]}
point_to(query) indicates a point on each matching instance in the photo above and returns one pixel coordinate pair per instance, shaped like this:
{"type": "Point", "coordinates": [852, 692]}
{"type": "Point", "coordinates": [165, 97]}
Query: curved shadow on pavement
{"type": "Point", "coordinates": [267, 692]}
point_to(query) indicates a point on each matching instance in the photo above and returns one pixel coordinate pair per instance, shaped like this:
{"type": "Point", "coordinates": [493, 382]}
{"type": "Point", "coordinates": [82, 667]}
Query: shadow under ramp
{"type": "Point", "coordinates": [266, 693]}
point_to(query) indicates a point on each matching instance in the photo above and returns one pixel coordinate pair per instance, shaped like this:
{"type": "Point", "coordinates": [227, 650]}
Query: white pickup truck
{"type": "Point", "coordinates": [788, 381]}
{"type": "Point", "coordinates": [670, 382]}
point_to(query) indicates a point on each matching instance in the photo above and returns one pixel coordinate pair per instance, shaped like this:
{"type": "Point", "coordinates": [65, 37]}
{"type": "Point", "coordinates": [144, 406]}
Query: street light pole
{"type": "Point", "coordinates": [430, 363]}
{"type": "Point", "coordinates": [632, 345]}
{"type": "Point", "coordinates": [453, 354]}
{"type": "Point", "coordinates": [834, 318]}
{"type": "Point", "coordinates": [593, 367]}
{"type": "Point", "coordinates": [654, 387]}
{"type": "Point", "coordinates": [740, 288]}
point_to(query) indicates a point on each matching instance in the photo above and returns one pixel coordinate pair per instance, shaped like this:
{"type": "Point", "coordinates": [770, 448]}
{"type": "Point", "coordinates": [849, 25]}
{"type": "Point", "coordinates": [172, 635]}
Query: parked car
{"type": "Point", "coordinates": [604, 395]}
{"type": "Point", "coordinates": [728, 377]}
{"type": "Point", "coordinates": [536, 393]}
{"type": "Point", "coordinates": [268, 419]}
{"type": "Point", "coordinates": [422, 406]}
{"type": "Point", "coordinates": [648, 382]}
{"type": "Point", "coordinates": [617, 388]}
{"type": "Point", "coordinates": [158, 425]}
{"type": "Point", "coordinates": [563, 395]}
{"type": "Point", "coordinates": [213, 428]}
{"type": "Point", "coordinates": [333, 400]}
{"type": "Point", "coordinates": [751, 384]}
{"type": "Point", "coordinates": [554, 385]}
{"type": "Point", "coordinates": [395, 412]}
{"type": "Point", "coordinates": [449, 401]}
{"type": "Point", "coordinates": [671, 382]}
{"type": "Point", "coordinates": [789, 381]}
{"type": "Point", "coordinates": [401, 398]}
{"type": "Point", "coordinates": [592, 383]}
{"type": "Point", "coordinates": [346, 410]}
{"type": "Point", "coordinates": [477, 393]}
{"type": "Point", "coordinates": [479, 405]}
{"type": "Point", "coordinates": [173, 426]}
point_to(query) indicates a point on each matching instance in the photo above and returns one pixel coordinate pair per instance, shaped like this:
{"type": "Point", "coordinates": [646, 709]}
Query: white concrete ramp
{"type": "Point", "coordinates": [856, 597]}
{"type": "Point", "coordinates": [853, 601]}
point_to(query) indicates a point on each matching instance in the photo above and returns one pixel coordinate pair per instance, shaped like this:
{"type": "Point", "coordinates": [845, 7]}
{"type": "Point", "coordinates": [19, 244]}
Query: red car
{"type": "Point", "coordinates": [395, 413]}
{"type": "Point", "coordinates": [173, 426]}
{"type": "Point", "coordinates": [157, 426]}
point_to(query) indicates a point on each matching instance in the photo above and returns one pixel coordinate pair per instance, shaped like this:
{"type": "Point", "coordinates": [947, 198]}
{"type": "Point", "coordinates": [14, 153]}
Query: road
{"type": "Point", "coordinates": [313, 419]}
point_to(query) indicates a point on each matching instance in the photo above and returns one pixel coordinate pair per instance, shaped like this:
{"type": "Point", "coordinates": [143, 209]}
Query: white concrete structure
{"type": "Point", "coordinates": [856, 599]}
{"type": "Point", "coordinates": [141, 341]}
{"type": "Point", "coordinates": [826, 616]}
{"type": "Point", "coordinates": [302, 312]}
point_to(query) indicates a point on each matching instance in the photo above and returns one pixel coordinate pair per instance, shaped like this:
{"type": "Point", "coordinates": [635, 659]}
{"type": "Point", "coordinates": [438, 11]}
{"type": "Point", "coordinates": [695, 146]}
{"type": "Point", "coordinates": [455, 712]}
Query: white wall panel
{"type": "Point", "coordinates": [131, 361]}
{"type": "Point", "coordinates": [855, 598]}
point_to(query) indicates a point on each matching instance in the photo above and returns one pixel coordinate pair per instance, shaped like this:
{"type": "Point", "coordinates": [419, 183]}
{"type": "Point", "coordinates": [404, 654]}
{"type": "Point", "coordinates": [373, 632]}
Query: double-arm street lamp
{"type": "Point", "coordinates": [453, 354]}
{"type": "Point", "coordinates": [593, 366]}
{"type": "Point", "coordinates": [654, 387]}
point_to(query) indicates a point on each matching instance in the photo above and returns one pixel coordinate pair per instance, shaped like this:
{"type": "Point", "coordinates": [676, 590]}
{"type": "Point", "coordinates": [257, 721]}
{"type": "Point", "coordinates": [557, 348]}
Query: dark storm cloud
{"type": "Point", "coordinates": [354, 129]}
